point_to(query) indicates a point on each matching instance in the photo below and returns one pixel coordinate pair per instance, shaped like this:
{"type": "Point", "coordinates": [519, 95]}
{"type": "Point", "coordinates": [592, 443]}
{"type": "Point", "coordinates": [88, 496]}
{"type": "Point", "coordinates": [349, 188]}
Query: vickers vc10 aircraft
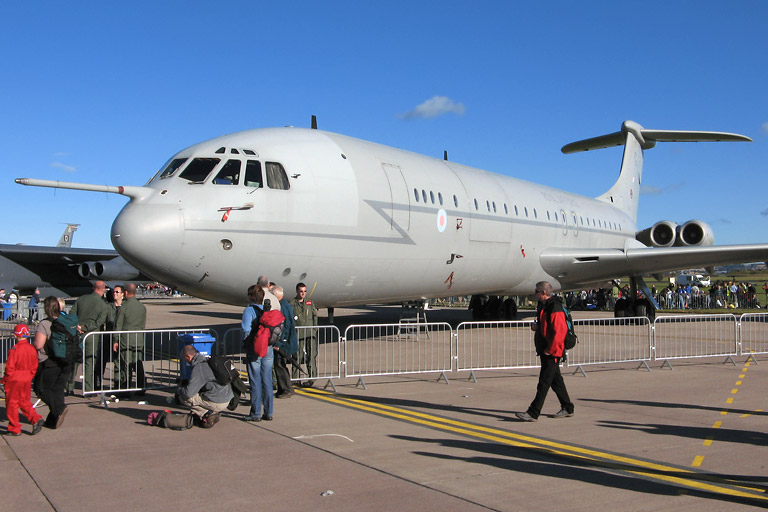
{"type": "Point", "coordinates": [364, 223]}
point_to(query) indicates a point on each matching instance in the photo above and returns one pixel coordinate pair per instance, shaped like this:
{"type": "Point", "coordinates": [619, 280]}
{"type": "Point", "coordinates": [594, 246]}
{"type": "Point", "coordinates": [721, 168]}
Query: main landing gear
{"type": "Point", "coordinates": [636, 306]}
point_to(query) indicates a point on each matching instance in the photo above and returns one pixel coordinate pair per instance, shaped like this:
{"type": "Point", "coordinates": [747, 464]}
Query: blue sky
{"type": "Point", "coordinates": [106, 92]}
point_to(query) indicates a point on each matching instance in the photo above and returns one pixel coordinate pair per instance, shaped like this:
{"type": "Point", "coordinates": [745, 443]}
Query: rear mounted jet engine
{"type": "Point", "coordinates": [694, 232]}
{"type": "Point", "coordinates": [661, 234]}
{"type": "Point", "coordinates": [117, 270]}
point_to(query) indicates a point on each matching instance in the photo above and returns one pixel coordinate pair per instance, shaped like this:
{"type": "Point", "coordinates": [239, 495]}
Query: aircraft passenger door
{"type": "Point", "coordinates": [575, 224]}
{"type": "Point", "coordinates": [400, 212]}
{"type": "Point", "coordinates": [565, 222]}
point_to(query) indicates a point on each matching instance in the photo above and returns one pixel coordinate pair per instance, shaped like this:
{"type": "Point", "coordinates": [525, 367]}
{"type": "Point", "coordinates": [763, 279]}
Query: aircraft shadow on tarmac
{"type": "Point", "coordinates": [536, 461]}
{"type": "Point", "coordinates": [500, 414]}
{"type": "Point", "coordinates": [212, 314]}
{"type": "Point", "coordinates": [726, 435]}
{"type": "Point", "coordinates": [670, 405]}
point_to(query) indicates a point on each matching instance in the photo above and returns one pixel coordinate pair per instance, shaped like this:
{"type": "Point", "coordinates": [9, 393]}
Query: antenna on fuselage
{"type": "Point", "coordinates": [445, 155]}
{"type": "Point", "coordinates": [314, 122]}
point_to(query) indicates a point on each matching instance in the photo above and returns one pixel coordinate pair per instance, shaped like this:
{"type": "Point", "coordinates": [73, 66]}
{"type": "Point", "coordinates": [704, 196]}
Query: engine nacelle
{"type": "Point", "coordinates": [694, 232]}
{"type": "Point", "coordinates": [109, 270]}
{"type": "Point", "coordinates": [661, 234]}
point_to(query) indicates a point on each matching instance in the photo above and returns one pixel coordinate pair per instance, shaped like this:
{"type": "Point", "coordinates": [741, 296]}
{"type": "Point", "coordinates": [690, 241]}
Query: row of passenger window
{"type": "Point", "coordinates": [199, 169]}
{"type": "Point", "coordinates": [491, 207]}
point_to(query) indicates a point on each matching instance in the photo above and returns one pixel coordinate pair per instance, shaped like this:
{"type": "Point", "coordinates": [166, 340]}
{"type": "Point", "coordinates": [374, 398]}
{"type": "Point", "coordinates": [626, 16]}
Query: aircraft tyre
{"type": "Point", "coordinates": [510, 309]}
{"type": "Point", "coordinates": [494, 309]}
{"type": "Point", "coordinates": [620, 309]}
{"type": "Point", "coordinates": [643, 307]}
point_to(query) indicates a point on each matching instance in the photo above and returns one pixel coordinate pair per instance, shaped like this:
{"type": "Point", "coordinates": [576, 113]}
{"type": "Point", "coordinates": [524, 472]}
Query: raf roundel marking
{"type": "Point", "coordinates": [442, 220]}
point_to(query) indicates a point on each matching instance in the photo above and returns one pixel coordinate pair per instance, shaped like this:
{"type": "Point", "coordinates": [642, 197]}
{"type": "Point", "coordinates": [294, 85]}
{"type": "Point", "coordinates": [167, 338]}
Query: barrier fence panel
{"type": "Point", "coordinates": [495, 345]}
{"type": "Point", "coordinates": [326, 345]}
{"type": "Point", "coordinates": [145, 360]}
{"type": "Point", "coordinates": [688, 336]}
{"type": "Point", "coordinates": [325, 340]}
{"type": "Point", "coordinates": [754, 333]}
{"type": "Point", "coordinates": [390, 349]}
{"type": "Point", "coordinates": [611, 340]}
{"type": "Point", "coordinates": [6, 342]}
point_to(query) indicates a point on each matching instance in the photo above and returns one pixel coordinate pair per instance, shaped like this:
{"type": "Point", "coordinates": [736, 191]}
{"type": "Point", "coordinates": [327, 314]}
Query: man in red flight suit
{"type": "Point", "coordinates": [19, 371]}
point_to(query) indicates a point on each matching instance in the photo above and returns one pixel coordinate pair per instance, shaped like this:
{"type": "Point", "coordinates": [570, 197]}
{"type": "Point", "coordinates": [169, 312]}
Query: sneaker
{"type": "Point", "coordinates": [286, 394]}
{"type": "Point", "coordinates": [524, 416]}
{"type": "Point", "coordinates": [14, 434]}
{"type": "Point", "coordinates": [210, 419]}
{"type": "Point", "coordinates": [562, 413]}
{"type": "Point", "coordinates": [252, 419]}
{"type": "Point", "coordinates": [60, 419]}
{"type": "Point", "coordinates": [266, 417]}
{"type": "Point", "coordinates": [37, 427]}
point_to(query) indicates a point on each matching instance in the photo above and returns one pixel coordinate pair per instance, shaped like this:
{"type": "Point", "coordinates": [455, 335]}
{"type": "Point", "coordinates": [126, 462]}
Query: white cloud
{"type": "Point", "coordinates": [765, 127]}
{"type": "Point", "coordinates": [434, 107]}
{"type": "Point", "coordinates": [64, 167]}
{"type": "Point", "coordinates": [650, 190]}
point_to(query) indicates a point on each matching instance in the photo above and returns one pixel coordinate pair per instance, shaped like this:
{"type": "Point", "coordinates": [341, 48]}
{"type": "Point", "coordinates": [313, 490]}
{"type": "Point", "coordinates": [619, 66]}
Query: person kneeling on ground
{"type": "Point", "coordinates": [203, 395]}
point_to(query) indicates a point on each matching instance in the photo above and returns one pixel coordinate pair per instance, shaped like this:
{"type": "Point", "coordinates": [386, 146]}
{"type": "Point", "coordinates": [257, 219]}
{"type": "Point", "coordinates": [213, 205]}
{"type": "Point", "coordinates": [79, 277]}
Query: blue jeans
{"type": "Point", "coordinates": [260, 380]}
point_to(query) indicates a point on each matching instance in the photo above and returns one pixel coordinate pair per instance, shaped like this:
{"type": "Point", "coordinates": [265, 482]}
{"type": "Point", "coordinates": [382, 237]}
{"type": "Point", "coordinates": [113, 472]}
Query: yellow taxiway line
{"type": "Point", "coordinates": [649, 469]}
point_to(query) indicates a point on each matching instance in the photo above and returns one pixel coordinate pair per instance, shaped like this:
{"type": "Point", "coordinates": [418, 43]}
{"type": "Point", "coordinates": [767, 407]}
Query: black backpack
{"type": "Point", "coordinates": [223, 369]}
{"type": "Point", "coordinates": [224, 372]}
{"type": "Point", "coordinates": [570, 337]}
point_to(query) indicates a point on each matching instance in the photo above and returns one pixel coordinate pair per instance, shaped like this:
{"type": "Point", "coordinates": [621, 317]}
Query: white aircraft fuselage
{"type": "Point", "coordinates": [360, 222]}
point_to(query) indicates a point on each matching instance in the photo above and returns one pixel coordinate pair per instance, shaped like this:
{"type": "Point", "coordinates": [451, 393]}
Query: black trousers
{"type": "Point", "coordinates": [53, 380]}
{"type": "Point", "coordinates": [282, 374]}
{"type": "Point", "coordinates": [550, 376]}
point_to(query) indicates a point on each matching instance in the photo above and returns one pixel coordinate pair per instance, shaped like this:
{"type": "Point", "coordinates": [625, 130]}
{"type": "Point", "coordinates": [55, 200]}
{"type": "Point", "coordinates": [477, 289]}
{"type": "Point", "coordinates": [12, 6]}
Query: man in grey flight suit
{"type": "Point", "coordinates": [132, 316]}
{"type": "Point", "coordinates": [92, 312]}
{"type": "Point", "coordinates": [305, 314]}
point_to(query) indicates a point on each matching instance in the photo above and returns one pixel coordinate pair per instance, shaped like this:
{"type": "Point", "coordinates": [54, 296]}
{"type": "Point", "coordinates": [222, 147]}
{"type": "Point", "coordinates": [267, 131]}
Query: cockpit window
{"type": "Point", "coordinates": [172, 167]}
{"type": "Point", "coordinates": [276, 176]}
{"type": "Point", "coordinates": [253, 174]}
{"type": "Point", "coordinates": [229, 174]}
{"type": "Point", "coordinates": [199, 169]}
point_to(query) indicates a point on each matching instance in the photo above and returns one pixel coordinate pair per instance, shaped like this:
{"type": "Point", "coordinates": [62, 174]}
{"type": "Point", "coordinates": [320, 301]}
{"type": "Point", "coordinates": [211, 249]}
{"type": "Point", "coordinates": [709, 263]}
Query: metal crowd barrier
{"type": "Point", "coordinates": [394, 349]}
{"type": "Point", "coordinates": [494, 346]}
{"type": "Point", "coordinates": [327, 360]}
{"type": "Point", "coordinates": [692, 336]}
{"type": "Point", "coordinates": [410, 348]}
{"type": "Point", "coordinates": [151, 362]}
{"type": "Point", "coordinates": [753, 337]}
{"type": "Point", "coordinates": [6, 342]}
{"type": "Point", "coordinates": [611, 340]}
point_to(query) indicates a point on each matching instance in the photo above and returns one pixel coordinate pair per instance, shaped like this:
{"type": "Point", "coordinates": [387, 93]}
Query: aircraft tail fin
{"type": "Point", "coordinates": [624, 193]}
{"type": "Point", "coordinates": [66, 237]}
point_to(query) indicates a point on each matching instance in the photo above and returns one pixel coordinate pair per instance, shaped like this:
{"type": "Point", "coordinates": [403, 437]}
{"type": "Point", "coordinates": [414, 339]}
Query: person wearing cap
{"type": "Point", "coordinates": [20, 369]}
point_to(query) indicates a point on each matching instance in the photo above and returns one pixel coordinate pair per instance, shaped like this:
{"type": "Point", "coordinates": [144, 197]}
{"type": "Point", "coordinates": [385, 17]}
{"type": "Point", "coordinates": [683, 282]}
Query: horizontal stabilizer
{"type": "Point", "coordinates": [649, 138]}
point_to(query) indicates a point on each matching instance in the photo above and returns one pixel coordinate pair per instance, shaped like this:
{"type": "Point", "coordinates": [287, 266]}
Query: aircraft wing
{"type": "Point", "coordinates": [576, 267]}
{"type": "Point", "coordinates": [39, 255]}
{"type": "Point", "coordinates": [27, 266]}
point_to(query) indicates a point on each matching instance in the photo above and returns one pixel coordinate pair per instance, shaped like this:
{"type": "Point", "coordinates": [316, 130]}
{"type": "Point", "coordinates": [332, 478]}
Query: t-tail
{"type": "Point", "coordinates": [624, 193]}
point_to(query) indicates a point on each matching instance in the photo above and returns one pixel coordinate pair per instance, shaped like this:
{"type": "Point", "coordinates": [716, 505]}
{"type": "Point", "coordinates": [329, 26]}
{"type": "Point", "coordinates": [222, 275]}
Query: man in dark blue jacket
{"type": "Point", "coordinates": [288, 346]}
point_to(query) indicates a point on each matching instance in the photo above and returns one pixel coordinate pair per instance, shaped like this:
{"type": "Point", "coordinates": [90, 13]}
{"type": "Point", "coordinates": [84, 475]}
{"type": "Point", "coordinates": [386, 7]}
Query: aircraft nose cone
{"type": "Point", "coordinates": [149, 236]}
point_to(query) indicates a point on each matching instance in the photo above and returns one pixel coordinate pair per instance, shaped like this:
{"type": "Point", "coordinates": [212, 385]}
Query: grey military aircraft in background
{"type": "Point", "coordinates": [361, 222]}
{"type": "Point", "coordinates": [68, 235]}
{"type": "Point", "coordinates": [61, 270]}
